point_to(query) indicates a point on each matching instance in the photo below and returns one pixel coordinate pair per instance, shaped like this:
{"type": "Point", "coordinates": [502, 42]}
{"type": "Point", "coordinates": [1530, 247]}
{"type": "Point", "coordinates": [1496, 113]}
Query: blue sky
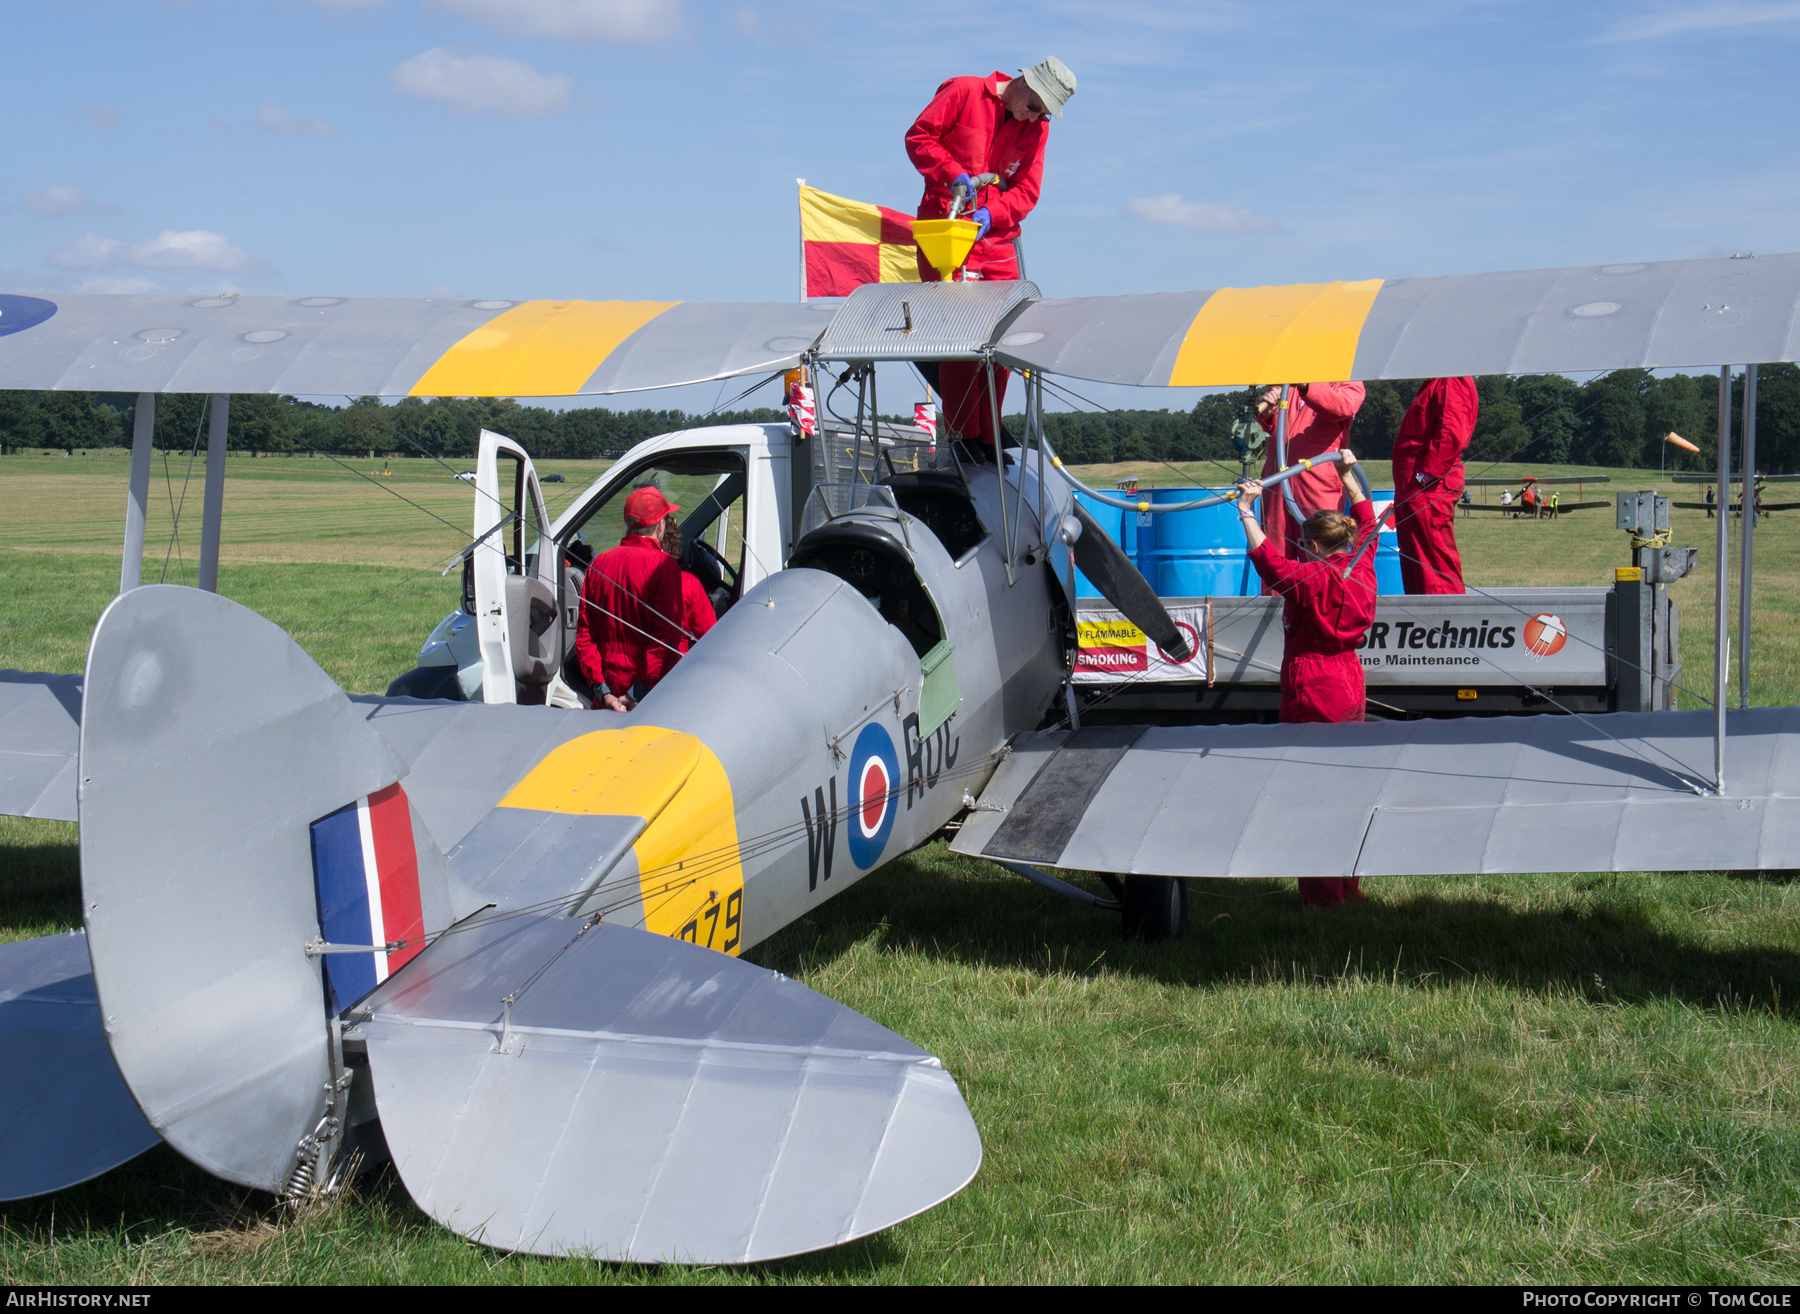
{"type": "Point", "coordinates": [648, 148]}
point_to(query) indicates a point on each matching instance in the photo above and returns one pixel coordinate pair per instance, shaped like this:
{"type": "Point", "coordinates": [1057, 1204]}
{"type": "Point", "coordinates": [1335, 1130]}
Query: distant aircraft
{"type": "Point", "coordinates": [318, 923]}
{"type": "Point", "coordinates": [1515, 508]}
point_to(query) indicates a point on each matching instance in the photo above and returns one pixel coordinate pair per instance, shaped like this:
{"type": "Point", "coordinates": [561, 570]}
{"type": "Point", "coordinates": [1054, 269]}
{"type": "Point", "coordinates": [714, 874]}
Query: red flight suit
{"type": "Point", "coordinates": [1325, 618]}
{"type": "Point", "coordinates": [629, 632]}
{"type": "Point", "coordinates": [1428, 480]}
{"type": "Point", "coordinates": [697, 615]}
{"type": "Point", "coordinates": [966, 129]}
{"type": "Point", "coordinates": [1317, 423]}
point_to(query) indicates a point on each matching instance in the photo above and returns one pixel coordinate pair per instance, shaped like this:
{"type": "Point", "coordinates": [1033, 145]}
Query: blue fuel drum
{"type": "Point", "coordinates": [1200, 553]}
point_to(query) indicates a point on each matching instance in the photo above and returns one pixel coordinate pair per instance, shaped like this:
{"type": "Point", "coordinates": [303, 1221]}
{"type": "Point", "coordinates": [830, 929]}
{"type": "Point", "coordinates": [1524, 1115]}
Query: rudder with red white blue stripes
{"type": "Point", "coordinates": [366, 879]}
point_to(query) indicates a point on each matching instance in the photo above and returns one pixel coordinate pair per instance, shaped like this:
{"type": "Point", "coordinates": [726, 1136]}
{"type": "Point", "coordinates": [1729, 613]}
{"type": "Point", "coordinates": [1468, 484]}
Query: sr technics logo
{"type": "Point", "coordinates": [1545, 635]}
{"type": "Point", "coordinates": [874, 771]}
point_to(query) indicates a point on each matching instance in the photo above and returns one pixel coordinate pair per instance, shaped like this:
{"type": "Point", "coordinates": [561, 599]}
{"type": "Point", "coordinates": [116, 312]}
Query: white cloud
{"type": "Point", "coordinates": [581, 22]}
{"type": "Point", "coordinates": [1713, 17]}
{"type": "Point", "coordinates": [119, 286]}
{"type": "Point", "coordinates": [65, 200]}
{"type": "Point", "coordinates": [194, 249]}
{"type": "Point", "coordinates": [101, 116]}
{"type": "Point", "coordinates": [1208, 216]}
{"type": "Point", "coordinates": [223, 288]}
{"type": "Point", "coordinates": [793, 28]}
{"type": "Point", "coordinates": [472, 83]}
{"type": "Point", "coordinates": [278, 118]}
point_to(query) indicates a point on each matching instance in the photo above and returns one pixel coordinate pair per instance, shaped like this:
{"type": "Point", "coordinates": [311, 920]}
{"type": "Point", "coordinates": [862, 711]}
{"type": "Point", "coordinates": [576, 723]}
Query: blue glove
{"type": "Point", "coordinates": [981, 216]}
{"type": "Point", "coordinates": [965, 182]}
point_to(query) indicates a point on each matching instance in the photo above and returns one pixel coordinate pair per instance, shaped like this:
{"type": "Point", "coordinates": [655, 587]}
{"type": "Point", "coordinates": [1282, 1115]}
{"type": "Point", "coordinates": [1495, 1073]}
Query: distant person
{"type": "Point", "coordinates": [629, 634]}
{"type": "Point", "coordinates": [1319, 419]}
{"type": "Point", "coordinates": [1325, 618]}
{"type": "Point", "coordinates": [1506, 497]}
{"type": "Point", "coordinates": [697, 614]}
{"type": "Point", "coordinates": [1711, 501]}
{"type": "Point", "coordinates": [975, 126]}
{"type": "Point", "coordinates": [1555, 507]}
{"type": "Point", "coordinates": [1428, 477]}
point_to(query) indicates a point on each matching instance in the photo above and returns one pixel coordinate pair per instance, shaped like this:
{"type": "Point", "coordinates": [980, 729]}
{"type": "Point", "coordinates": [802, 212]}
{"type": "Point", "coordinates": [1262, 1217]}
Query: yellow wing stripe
{"type": "Point", "coordinates": [690, 873]}
{"type": "Point", "coordinates": [537, 349]}
{"type": "Point", "coordinates": [1302, 333]}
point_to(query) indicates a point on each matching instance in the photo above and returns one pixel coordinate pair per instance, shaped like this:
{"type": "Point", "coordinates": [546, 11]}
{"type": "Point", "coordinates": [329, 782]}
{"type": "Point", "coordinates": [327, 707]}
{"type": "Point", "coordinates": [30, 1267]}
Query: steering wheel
{"type": "Point", "coordinates": [711, 553]}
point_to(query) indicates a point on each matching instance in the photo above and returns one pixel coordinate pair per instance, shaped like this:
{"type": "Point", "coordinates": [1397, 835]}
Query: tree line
{"type": "Point", "coordinates": [1617, 419]}
{"type": "Point", "coordinates": [266, 424]}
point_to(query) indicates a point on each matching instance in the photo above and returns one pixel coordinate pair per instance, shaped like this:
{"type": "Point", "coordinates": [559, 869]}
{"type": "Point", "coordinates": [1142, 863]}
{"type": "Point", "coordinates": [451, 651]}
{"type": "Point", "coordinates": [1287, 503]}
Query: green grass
{"type": "Point", "coordinates": [1575, 1079]}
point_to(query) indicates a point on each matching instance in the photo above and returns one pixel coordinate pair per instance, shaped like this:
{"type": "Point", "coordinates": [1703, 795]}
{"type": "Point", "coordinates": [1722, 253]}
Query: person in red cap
{"type": "Point", "coordinates": [976, 126]}
{"type": "Point", "coordinates": [1324, 618]}
{"type": "Point", "coordinates": [630, 633]}
{"type": "Point", "coordinates": [1319, 420]}
{"type": "Point", "coordinates": [1428, 479]}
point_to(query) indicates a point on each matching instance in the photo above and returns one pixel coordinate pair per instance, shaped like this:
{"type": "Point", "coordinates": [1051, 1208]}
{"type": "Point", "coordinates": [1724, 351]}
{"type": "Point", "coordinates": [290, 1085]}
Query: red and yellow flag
{"type": "Point", "coordinates": [849, 243]}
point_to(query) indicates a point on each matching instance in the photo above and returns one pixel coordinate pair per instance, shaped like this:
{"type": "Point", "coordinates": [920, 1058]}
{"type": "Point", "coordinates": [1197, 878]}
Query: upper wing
{"type": "Point", "coordinates": [1592, 317]}
{"type": "Point", "coordinates": [1515, 794]}
{"type": "Point", "coordinates": [391, 347]}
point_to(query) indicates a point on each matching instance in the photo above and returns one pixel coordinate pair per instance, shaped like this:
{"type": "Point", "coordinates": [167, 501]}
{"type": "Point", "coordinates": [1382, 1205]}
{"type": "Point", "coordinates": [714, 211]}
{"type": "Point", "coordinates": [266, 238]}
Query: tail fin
{"type": "Point", "coordinates": [210, 744]}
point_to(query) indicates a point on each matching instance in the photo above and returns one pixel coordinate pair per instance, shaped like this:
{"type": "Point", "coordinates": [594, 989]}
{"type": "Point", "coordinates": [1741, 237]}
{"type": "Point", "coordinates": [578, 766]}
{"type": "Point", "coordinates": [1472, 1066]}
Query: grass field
{"type": "Point", "coordinates": [1511, 1079]}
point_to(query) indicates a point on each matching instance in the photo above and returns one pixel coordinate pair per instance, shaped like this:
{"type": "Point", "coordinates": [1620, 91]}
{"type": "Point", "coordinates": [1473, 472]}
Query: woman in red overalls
{"type": "Point", "coordinates": [1325, 618]}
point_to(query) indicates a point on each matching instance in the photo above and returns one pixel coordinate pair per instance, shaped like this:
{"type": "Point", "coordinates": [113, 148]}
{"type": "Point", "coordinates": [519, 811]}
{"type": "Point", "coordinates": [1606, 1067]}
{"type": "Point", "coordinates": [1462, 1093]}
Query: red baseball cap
{"type": "Point", "coordinates": [647, 506]}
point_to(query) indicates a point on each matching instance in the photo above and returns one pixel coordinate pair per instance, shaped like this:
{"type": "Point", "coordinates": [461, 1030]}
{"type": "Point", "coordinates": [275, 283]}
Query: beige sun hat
{"type": "Point", "coordinates": [1052, 81]}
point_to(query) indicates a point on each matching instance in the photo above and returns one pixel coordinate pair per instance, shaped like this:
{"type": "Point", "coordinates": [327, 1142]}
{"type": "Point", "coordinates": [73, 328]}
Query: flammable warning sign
{"type": "Point", "coordinates": [1109, 648]}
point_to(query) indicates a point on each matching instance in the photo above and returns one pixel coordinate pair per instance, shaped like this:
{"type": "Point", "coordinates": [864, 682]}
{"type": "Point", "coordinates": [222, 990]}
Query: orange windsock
{"type": "Point", "coordinates": [1677, 440]}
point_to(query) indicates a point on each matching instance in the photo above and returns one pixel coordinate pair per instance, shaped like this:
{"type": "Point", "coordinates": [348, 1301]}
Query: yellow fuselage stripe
{"type": "Point", "coordinates": [537, 349]}
{"type": "Point", "coordinates": [690, 871]}
{"type": "Point", "coordinates": [1301, 333]}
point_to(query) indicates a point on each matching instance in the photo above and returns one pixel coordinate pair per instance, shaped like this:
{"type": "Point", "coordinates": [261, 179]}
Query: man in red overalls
{"type": "Point", "coordinates": [1428, 480]}
{"type": "Point", "coordinates": [629, 634]}
{"type": "Point", "coordinates": [1319, 419]}
{"type": "Point", "coordinates": [978, 125]}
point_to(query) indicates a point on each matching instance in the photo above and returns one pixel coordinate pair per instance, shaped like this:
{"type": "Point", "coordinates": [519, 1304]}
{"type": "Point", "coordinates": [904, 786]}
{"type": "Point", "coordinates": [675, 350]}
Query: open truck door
{"type": "Point", "coordinates": [513, 567]}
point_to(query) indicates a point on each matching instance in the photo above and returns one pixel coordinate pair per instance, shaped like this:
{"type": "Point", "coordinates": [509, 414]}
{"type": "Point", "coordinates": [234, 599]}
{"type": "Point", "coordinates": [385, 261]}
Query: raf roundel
{"type": "Point", "coordinates": [874, 779]}
{"type": "Point", "coordinates": [1545, 635]}
{"type": "Point", "coordinates": [20, 313]}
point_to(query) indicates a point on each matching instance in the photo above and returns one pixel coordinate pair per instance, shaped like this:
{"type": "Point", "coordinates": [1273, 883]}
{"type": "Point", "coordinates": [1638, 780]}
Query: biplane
{"type": "Point", "coordinates": [1737, 507]}
{"type": "Point", "coordinates": [1519, 508]}
{"type": "Point", "coordinates": [499, 942]}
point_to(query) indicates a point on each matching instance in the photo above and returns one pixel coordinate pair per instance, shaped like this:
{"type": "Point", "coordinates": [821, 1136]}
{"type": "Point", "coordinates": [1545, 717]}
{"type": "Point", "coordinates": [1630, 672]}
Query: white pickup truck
{"type": "Point", "coordinates": [745, 502]}
{"type": "Point", "coordinates": [513, 638]}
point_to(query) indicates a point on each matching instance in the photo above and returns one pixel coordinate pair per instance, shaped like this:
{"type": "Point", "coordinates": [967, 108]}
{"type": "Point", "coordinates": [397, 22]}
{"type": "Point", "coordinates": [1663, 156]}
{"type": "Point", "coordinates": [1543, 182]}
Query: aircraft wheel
{"type": "Point", "coordinates": [1155, 907]}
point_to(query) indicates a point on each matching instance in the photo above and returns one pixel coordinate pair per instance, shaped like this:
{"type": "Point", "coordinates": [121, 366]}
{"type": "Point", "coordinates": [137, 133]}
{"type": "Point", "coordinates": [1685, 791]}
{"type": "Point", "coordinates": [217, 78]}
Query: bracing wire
{"type": "Point", "coordinates": [670, 878]}
{"type": "Point", "coordinates": [175, 509]}
{"type": "Point", "coordinates": [1070, 394]}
